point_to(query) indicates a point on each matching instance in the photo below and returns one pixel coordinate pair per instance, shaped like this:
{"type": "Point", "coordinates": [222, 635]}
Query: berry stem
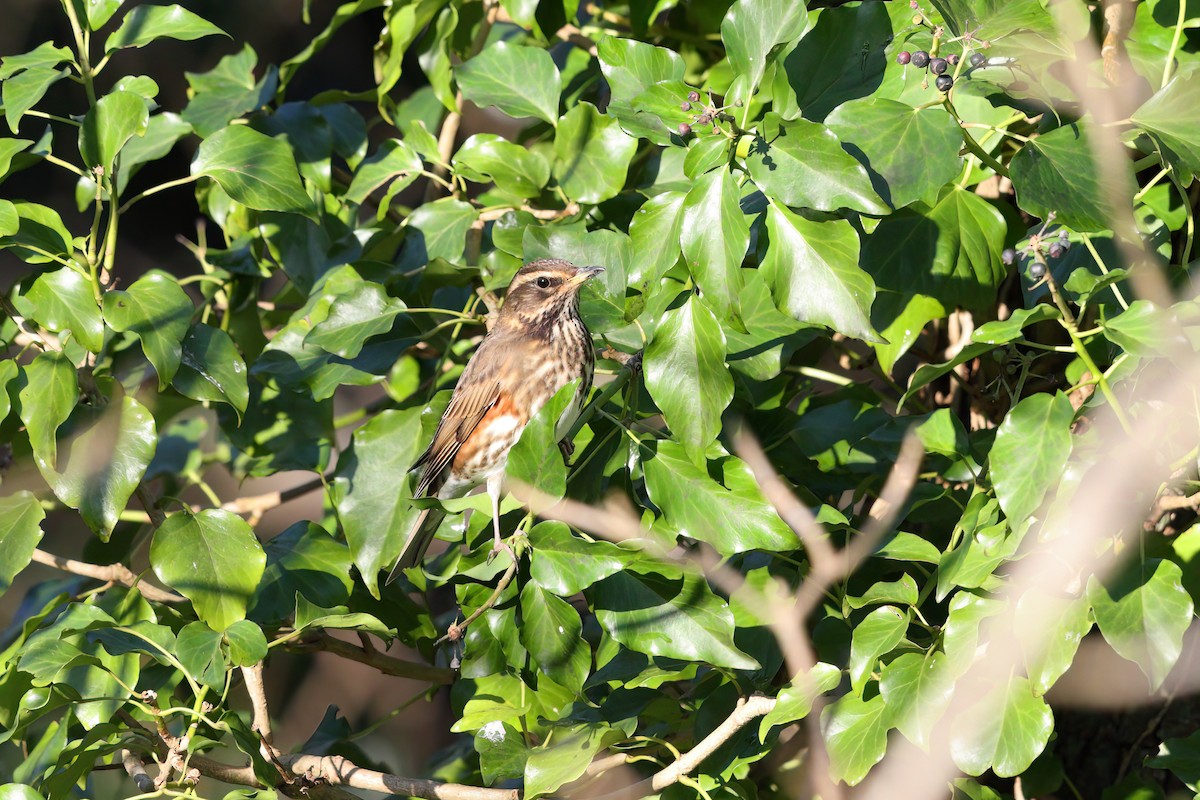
{"type": "Point", "coordinates": [973, 145]}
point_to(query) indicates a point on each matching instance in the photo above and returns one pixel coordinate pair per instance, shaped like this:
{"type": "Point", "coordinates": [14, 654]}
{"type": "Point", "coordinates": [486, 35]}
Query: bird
{"type": "Point", "coordinates": [538, 345]}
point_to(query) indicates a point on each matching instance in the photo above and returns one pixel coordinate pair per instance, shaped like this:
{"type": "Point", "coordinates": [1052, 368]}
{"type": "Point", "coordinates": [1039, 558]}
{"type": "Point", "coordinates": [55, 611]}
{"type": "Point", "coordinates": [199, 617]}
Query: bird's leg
{"type": "Point", "coordinates": [495, 485]}
{"type": "Point", "coordinates": [568, 449]}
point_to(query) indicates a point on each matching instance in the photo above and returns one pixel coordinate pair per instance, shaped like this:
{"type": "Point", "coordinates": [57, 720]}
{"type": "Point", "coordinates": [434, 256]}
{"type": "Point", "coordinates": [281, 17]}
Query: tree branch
{"type": "Point", "coordinates": [111, 573]}
{"type": "Point", "coordinates": [386, 664]}
{"type": "Point", "coordinates": [137, 770]}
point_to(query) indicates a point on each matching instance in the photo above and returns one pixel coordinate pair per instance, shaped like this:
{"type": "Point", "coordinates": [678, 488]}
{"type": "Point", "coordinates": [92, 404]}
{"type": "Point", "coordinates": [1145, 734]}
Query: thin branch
{"type": "Point", "coordinates": [386, 664]}
{"type": "Point", "coordinates": [456, 630]}
{"type": "Point", "coordinates": [111, 573]}
{"type": "Point", "coordinates": [137, 771]}
{"type": "Point", "coordinates": [260, 721]}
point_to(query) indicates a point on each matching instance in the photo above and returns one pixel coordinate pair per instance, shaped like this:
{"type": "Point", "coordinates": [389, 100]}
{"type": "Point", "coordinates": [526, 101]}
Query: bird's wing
{"type": "Point", "coordinates": [478, 390]}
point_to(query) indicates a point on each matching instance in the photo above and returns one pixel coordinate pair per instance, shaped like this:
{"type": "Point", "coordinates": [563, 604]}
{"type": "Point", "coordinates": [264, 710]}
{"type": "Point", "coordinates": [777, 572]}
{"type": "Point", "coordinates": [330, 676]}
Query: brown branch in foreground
{"type": "Point", "coordinates": [137, 771]}
{"type": "Point", "coordinates": [110, 573]}
{"type": "Point", "coordinates": [386, 664]}
{"type": "Point", "coordinates": [260, 720]}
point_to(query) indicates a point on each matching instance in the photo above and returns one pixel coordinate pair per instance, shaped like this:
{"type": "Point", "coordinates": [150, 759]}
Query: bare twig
{"type": "Point", "coordinates": [137, 770]}
{"type": "Point", "coordinates": [260, 721]}
{"type": "Point", "coordinates": [457, 629]}
{"type": "Point", "coordinates": [386, 664]}
{"type": "Point", "coordinates": [111, 573]}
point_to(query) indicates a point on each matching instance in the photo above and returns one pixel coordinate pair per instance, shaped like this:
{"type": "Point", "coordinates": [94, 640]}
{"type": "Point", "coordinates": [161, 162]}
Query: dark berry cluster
{"type": "Point", "coordinates": [1039, 249]}
{"type": "Point", "coordinates": [707, 113]}
{"type": "Point", "coordinates": [939, 66]}
{"type": "Point", "coordinates": [935, 64]}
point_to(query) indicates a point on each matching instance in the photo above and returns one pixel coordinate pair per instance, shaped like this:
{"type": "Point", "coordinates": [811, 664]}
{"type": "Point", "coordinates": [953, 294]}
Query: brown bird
{"type": "Point", "coordinates": [538, 345]}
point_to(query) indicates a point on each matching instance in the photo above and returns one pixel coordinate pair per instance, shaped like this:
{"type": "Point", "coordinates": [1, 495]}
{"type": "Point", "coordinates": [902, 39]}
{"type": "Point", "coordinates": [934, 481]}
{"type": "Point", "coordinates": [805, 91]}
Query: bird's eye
{"type": "Point", "coordinates": [543, 283]}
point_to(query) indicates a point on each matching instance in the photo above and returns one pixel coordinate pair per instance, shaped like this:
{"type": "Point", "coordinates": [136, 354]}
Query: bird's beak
{"type": "Point", "coordinates": [585, 274]}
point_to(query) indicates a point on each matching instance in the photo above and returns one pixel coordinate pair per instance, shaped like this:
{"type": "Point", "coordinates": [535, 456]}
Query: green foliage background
{"type": "Point", "coordinates": [817, 262]}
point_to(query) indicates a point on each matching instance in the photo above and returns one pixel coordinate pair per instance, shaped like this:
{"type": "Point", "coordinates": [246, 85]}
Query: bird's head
{"type": "Point", "coordinates": [544, 290]}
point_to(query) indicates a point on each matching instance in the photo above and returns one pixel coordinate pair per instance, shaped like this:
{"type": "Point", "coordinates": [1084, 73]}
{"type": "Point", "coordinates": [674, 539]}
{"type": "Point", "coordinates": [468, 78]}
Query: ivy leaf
{"type": "Point", "coordinates": [802, 164]}
{"type": "Point", "coordinates": [675, 617]}
{"type": "Point", "coordinates": [103, 461]}
{"type": "Point", "coordinates": [686, 375]}
{"type": "Point", "coordinates": [592, 154]}
{"type": "Point", "coordinates": [438, 230]}
{"type": "Point", "coordinates": [373, 496]}
{"type": "Point", "coordinates": [855, 736]}
{"type": "Point", "coordinates": [751, 31]}
{"type": "Point", "coordinates": [795, 700]}
{"type": "Point", "coordinates": [40, 236]}
{"type": "Point", "coordinates": [566, 564]}
{"type": "Point", "coordinates": [1032, 446]}
{"type": "Point", "coordinates": [917, 688]}
{"type": "Point", "coordinates": [158, 312]}
{"type": "Point", "coordinates": [211, 368]}
{"type": "Point", "coordinates": [20, 531]}
{"type": "Point", "coordinates": [565, 757]}
{"type": "Point", "coordinates": [1060, 624]}
{"type": "Point", "coordinates": [63, 302]}
{"type": "Point", "coordinates": [25, 90]}
{"type": "Point", "coordinates": [109, 125]}
{"type": "Point", "coordinates": [733, 518]}
{"type": "Point", "coordinates": [881, 132]}
{"type": "Point", "coordinates": [1170, 118]}
{"type": "Point", "coordinates": [631, 67]}
{"type": "Point", "coordinates": [654, 232]}
{"type": "Point", "coordinates": [349, 312]}
{"type": "Point", "coordinates": [213, 559]}
{"type": "Point", "coordinates": [228, 91]}
{"type": "Point", "coordinates": [715, 235]}
{"type": "Point", "coordinates": [257, 171]}
{"type": "Point", "coordinates": [145, 24]}
{"type": "Point", "coordinates": [303, 559]}
{"type": "Point", "coordinates": [550, 629]}
{"type": "Point", "coordinates": [50, 393]}
{"type": "Point", "coordinates": [393, 160]}
{"type": "Point", "coordinates": [1144, 616]}
{"type": "Point", "coordinates": [1003, 732]}
{"type": "Point", "coordinates": [487, 157]}
{"type": "Point", "coordinates": [520, 81]}
{"type": "Point", "coordinates": [198, 649]}
{"type": "Point", "coordinates": [875, 636]}
{"type": "Point", "coordinates": [535, 459]}
{"type": "Point", "coordinates": [1143, 329]}
{"type": "Point", "coordinates": [812, 268]}
{"type": "Point", "coordinates": [247, 644]}
{"type": "Point", "coordinates": [1057, 172]}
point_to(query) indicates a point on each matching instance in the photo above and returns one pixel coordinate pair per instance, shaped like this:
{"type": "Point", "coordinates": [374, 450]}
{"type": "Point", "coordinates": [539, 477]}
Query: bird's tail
{"type": "Point", "coordinates": [419, 537]}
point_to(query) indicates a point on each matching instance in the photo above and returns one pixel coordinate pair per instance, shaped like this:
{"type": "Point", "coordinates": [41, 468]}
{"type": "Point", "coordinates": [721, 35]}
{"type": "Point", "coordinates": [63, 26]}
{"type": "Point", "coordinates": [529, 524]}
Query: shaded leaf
{"type": "Point", "coordinates": [211, 368]}
{"type": "Point", "coordinates": [63, 302]}
{"type": "Point", "coordinates": [20, 531]}
{"type": "Point", "coordinates": [592, 154]}
{"type": "Point", "coordinates": [1004, 732]}
{"type": "Point", "coordinates": [158, 312]}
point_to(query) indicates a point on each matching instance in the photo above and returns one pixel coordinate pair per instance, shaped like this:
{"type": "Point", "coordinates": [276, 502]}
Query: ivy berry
{"type": "Point", "coordinates": [685, 129]}
{"type": "Point", "coordinates": [920, 59]}
{"type": "Point", "coordinates": [1008, 256]}
{"type": "Point", "coordinates": [903, 57]}
{"type": "Point", "coordinates": [938, 65]}
{"type": "Point", "coordinates": [944, 83]}
{"type": "Point", "coordinates": [694, 96]}
{"type": "Point", "coordinates": [978, 59]}
{"type": "Point", "coordinates": [1037, 270]}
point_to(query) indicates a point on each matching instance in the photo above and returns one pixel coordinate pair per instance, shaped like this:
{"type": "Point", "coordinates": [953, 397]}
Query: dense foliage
{"type": "Point", "coordinates": [833, 237]}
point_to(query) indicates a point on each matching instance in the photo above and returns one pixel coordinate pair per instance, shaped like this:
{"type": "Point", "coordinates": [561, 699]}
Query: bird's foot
{"type": "Point", "coordinates": [498, 547]}
{"type": "Point", "coordinates": [567, 447]}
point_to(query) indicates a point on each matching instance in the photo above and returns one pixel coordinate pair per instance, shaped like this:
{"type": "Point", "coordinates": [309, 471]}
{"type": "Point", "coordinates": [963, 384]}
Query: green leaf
{"type": "Point", "coordinates": [309, 617]}
{"type": "Point", "coordinates": [812, 268]}
{"type": "Point", "coordinates": [675, 617]}
{"type": "Point", "coordinates": [40, 236]}
{"type": "Point", "coordinates": [751, 32]}
{"type": "Point", "coordinates": [875, 636]}
{"type": "Point", "coordinates": [687, 377]}
{"type": "Point", "coordinates": [303, 559]}
{"type": "Point", "coordinates": [520, 81]}
{"type": "Point", "coordinates": [1171, 120]}
{"type": "Point", "coordinates": [795, 700]}
{"type": "Point", "coordinates": [1005, 331]}
{"type": "Point", "coordinates": [1031, 449]}
{"type": "Point", "coordinates": [902, 591]}
{"type": "Point", "coordinates": [20, 531]}
{"type": "Point", "coordinates": [486, 157]}
{"type": "Point", "coordinates": [592, 154]}
{"type": "Point", "coordinates": [1003, 732]}
{"type": "Point", "coordinates": [145, 24]}
{"type": "Point", "coordinates": [733, 518]}
{"type": "Point", "coordinates": [213, 559]}
{"type": "Point", "coordinates": [247, 644]}
{"type": "Point", "coordinates": [535, 458]}
{"type": "Point", "coordinates": [25, 90]}
{"type": "Point", "coordinates": [199, 652]}
{"type": "Point", "coordinates": [394, 159]}
{"type": "Point", "coordinates": [103, 461]}
{"type": "Point", "coordinates": [1050, 628]}
{"type": "Point", "coordinates": [802, 164]}
{"type": "Point", "coordinates": [917, 688]}
{"type": "Point", "coordinates": [885, 133]}
{"type": "Point", "coordinates": [438, 230]}
{"type": "Point", "coordinates": [715, 235]}
{"type": "Point", "coordinates": [19, 791]}
{"type": "Point", "coordinates": [654, 232]}
{"type": "Point", "coordinates": [50, 393]}
{"type": "Point", "coordinates": [350, 311]}
{"type": "Point", "coordinates": [100, 11]}
{"type": "Point", "coordinates": [1057, 172]}
{"type": "Point", "coordinates": [1182, 757]}
{"type": "Point", "coordinates": [63, 302]}
{"type": "Point", "coordinates": [10, 221]}
{"type": "Point", "coordinates": [1144, 615]}
{"type": "Point", "coordinates": [566, 756]}
{"type": "Point", "coordinates": [158, 312]}
{"type": "Point", "coordinates": [631, 67]}
{"type": "Point", "coordinates": [114, 120]}
{"type": "Point", "coordinates": [949, 251]}
{"type": "Point", "coordinates": [855, 736]}
{"type": "Point", "coordinates": [211, 368]}
{"type": "Point", "coordinates": [228, 91]}
{"type": "Point", "coordinates": [257, 171]}
{"type": "Point", "coordinates": [373, 498]}
{"type": "Point", "coordinates": [45, 54]}
{"type": "Point", "coordinates": [552, 632]}
{"type": "Point", "coordinates": [1143, 329]}
{"type": "Point", "coordinates": [566, 564]}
